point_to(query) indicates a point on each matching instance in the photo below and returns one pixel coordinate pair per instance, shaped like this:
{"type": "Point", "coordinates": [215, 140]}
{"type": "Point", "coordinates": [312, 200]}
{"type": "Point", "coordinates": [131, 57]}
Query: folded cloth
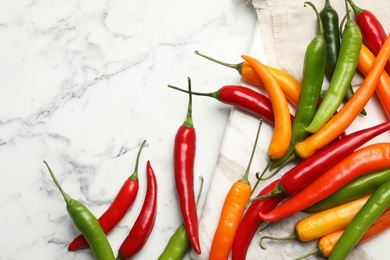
{"type": "Point", "coordinates": [287, 27]}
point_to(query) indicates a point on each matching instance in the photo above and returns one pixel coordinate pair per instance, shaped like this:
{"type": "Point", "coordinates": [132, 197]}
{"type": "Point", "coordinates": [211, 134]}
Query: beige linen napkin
{"type": "Point", "coordinates": [287, 27]}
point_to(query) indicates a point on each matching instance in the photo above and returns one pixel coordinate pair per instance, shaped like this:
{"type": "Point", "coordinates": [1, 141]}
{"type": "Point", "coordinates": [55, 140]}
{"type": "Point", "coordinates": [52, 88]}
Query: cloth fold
{"type": "Point", "coordinates": [287, 27]}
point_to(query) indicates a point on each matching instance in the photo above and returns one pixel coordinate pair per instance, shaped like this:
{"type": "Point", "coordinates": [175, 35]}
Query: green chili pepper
{"type": "Point", "coordinates": [179, 244]}
{"type": "Point", "coordinates": [360, 187]}
{"type": "Point", "coordinates": [342, 76]}
{"type": "Point", "coordinates": [312, 79]}
{"type": "Point", "coordinates": [330, 20]}
{"type": "Point", "coordinates": [372, 209]}
{"type": "Point", "coordinates": [87, 224]}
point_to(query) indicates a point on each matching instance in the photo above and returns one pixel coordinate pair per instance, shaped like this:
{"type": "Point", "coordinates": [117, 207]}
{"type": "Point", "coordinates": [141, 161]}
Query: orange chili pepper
{"type": "Point", "coordinates": [232, 212]}
{"type": "Point", "coordinates": [326, 244]}
{"type": "Point", "coordinates": [352, 108]}
{"type": "Point", "coordinates": [324, 222]}
{"type": "Point", "coordinates": [366, 59]}
{"type": "Point", "coordinates": [290, 86]}
{"type": "Point", "coordinates": [282, 132]}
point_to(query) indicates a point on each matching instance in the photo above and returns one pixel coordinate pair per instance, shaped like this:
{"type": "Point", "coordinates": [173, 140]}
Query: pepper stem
{"type": "Point", "coordinates": [259, 176]}
{"type": "Point", "coordinates": [321, 27]}
{"type": "Point", "coordinates": [67, 198]}
{"type": "Point", "coordinates": [312, 252]}
{"type": "Point", "coordinates": [188, 121]}
{"type": "Point", "coordinates": [245, 177]}
{"type": "Point", "coordinates": [278, 190]}
{"type": "Point", "coordinates": [356, 9]}
{"type": "Point", "coordinates": [237, 66]}
{"type": "Point", "coordinates": [289, 237]}
{"type": "Point", "coordinates": [211, 94]}
{"type": "Point", "coordinates": [134, 176]}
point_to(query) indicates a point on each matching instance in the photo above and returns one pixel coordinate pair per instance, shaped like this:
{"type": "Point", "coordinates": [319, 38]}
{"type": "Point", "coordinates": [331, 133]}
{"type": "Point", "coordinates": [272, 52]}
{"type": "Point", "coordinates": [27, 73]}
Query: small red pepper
{"type": "Point", "coordinates": [184, 159]}
{"type": "Point", "coordinates": [144, 224]}
{"type": "Point", "coordinates": [374, 35]}
{"type": "Point", "coordinates": [243, 98]}
{"type": "Point", "coordinates": [121, 204]}
{"type": "Point", "coordinates": [250, 222]}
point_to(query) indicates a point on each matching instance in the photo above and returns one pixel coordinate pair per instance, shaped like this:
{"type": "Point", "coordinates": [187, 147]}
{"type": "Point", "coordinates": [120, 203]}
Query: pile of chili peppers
{"type": "Point", "coordinates": [334, 171]}
{"type": "Point", "coordinates": [340, 180]}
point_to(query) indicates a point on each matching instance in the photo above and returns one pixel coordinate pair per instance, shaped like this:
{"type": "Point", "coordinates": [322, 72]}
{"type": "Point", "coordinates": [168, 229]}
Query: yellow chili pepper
{"type": "Point", "coordinates": [324, 222]}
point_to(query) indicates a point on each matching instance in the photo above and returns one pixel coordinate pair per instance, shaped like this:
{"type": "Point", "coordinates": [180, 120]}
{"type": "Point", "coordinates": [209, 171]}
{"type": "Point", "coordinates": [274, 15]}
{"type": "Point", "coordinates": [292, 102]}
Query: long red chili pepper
{"type": "Point", "coordinates": [368, 159]}
{"type": "Point", "coordinates": [243, 98]}
{"type": "Point", "coordinates": [144, 224]}
{"type": "Point", "coordinates": [374, 35]}
{"type": "Point", "coordinates": [313, 167]}
{"type": "Point", "coordinates": [184, 159]}
{"type": "Point", "coordinates": [121, 204]}
{"type": "Point", "coordinates": [250, 222]}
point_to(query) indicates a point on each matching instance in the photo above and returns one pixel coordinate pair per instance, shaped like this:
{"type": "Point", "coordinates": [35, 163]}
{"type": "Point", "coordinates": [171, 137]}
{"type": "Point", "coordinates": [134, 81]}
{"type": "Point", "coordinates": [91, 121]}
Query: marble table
{"type": "Point", "coordinates": [82, 84]}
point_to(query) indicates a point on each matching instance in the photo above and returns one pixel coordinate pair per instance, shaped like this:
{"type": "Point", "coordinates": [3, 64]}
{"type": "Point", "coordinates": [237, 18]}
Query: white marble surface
{"type": "Point", "coordinates": [82, 84]}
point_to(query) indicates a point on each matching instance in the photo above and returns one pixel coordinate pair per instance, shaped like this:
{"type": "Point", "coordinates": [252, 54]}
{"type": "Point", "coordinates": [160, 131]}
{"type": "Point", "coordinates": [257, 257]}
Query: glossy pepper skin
{"type": "Point", "coordinates": [290, 86]}
{"type": "Point", "coordinates": [368, 159]}
{"type": "Point", "coordinates": [232, 211]}
{"type": "Point", "coordinates": [250, 222]}
{"type": "Point", "coordinates": [117, 210]}
{"type": "Point", "coordinates": [313, 167]}
{"type": "Point", "coordinates": [357, 188]}
{"type": "Point", "coordinates": [342, 76]}
{"type": "Point", "coordinates": [144, 223]}
{"type": "Point", "coordinates": [374, 35]}
{"type": "Point", "coordinates": [312, 79]}
{"type": "Point", "coordinates": [243, 98]}
{"type": "Point", "coordinates": [374, 207]}
{"type": "Point", "coordinates": [178, 245]}
{"type": "Point", "coordinates": [87, 223]}
{"type": "Point", "coordinates": [184, 161]}
{"type": "Point", "coordinates": [351, 109]}
{"type": "Point", "coordinates": [330, 20]}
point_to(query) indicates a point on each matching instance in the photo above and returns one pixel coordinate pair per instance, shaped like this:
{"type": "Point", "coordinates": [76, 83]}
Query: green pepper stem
{"type": "Point", "coordinates": [245, 177]}
{"type": "Point", "coordinates": [67, 198]}
{"type": "Point", "coordinates": [237, 66]}
{"type": "Point", "coordinates": [289, 237]}
{"type": "Point", "coordinates": [188, 120]}
{"type": "Point", "coordinates": [356, 9]}
{"type": "Point", "coordinates": [312, 252]}
{"type": "Point", "coordinates": [259, 176]}
{"type": "Point", "coordinates": [134, 176]}
{"type": "Point", "coordinates": [278, 190]}
{"type": "Point", "coordinates": [320, 25]}
{"type": "Point", "coordinates": [211, 94]}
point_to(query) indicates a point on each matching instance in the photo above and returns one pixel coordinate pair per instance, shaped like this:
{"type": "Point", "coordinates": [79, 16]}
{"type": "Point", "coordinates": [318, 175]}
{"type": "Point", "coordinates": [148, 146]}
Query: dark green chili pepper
{"type": "Point", "coordinates": [312, 79]}
{"type": "Point", "coordinates": [342, 76]}
{"type": "Point", "coordinates": [330, 20]}
{"type": "Point", "coordinates": [87, 224]}
{"type": "Point", "coordinates": [372, 209]}
{"type": "Point", "coordinates": [360, 187]}
{"type": "Point", "coordinates": [179, 244]}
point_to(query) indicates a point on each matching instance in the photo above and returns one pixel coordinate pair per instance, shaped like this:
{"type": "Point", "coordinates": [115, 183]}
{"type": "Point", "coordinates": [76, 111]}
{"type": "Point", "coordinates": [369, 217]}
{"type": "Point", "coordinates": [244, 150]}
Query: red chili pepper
{"type": "Point", "coordinates": [251, 221]}
{"type": "Point", "coordinates": [243, 98]}
{"type": "Point", "coordinates": [184, 159]}
{"type": "Point", "coordinates": [368, 159]}
{"type": "Point", "coordinates": [144, 224]}
{"type": "Point", "coordinates": [121, 204]}
{"type": "Point", "coordinates": [374, 35]}
{"type": "Point", "coordinates": [313, 167]}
